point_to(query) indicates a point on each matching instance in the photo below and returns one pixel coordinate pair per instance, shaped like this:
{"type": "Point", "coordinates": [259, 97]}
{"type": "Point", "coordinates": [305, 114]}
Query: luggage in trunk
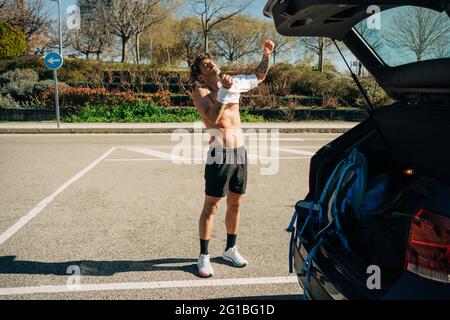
{"type": "Point", "coordinates": [381, 238]}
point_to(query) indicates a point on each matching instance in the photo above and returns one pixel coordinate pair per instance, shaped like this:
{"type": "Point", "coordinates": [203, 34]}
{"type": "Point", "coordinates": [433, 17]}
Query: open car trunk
{"type": "Point", "coordinates": [409, 146]}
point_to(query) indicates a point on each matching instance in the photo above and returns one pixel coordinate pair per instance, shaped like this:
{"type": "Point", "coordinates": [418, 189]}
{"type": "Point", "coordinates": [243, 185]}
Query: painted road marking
{"type": "Point", "coordinates": [154, 153]}
{"type": "Point", "coordinates": [281, 138]}
{"type": "Point", "coordinates": [302, 152]}
{"type": "Point", "coordinates": [165, 156]}
{"type": "Point", "coordinates": [148, 285]}
{"type": "Point", "coordinates": [44, 203]}
{"type": "Point", "coordinates": [206, 147]}
{"type": "Point", "coordinates": [193, 159]}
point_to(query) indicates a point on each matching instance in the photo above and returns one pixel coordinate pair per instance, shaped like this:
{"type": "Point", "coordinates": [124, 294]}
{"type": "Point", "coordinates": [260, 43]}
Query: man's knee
{"type": "Point", "coordinates": [234, 206]}
{"type": "Point", "coordinates": [210, 207]}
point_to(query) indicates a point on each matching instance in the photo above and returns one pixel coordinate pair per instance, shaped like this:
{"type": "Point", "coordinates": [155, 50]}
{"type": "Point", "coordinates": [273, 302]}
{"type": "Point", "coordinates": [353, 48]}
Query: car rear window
{"type": "Point", "coordinates": [407, 34]}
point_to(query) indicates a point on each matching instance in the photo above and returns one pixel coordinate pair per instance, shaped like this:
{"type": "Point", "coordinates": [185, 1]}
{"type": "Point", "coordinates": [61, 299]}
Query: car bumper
{"type": "Point", "coordinates": [318, 286]}
{"type": "Point", "coordinates": [329, 283]}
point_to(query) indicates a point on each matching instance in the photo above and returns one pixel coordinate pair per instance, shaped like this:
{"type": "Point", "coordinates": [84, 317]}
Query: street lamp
{"type": "Point", "coordinates": [59, 25]}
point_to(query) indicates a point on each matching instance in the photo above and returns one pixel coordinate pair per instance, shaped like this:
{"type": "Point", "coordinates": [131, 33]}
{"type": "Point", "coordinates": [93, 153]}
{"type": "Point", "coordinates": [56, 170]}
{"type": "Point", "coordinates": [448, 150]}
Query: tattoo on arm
{"type": "Point", "coordinates": [263, 68]}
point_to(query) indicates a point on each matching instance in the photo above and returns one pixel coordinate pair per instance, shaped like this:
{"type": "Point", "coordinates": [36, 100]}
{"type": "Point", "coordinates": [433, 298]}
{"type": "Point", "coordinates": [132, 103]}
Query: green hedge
{"type": "Point", "coordinates": [94, 73]}
{"type": "Point", "coordinates": [12, 41]}
{"type": "Point", "coordinates": [141, 111]}
{"type": "Point", "coordinates": [21, 88]}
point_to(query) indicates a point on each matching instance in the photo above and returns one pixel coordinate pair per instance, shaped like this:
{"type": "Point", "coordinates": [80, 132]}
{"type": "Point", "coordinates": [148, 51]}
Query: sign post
{"type": "Point", "coordinates": [54, 61]}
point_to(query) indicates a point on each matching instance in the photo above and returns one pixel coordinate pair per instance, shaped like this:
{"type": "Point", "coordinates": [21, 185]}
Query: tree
{"type": "Point", "coordinates": [93, 36]}
{"type": "Point", "coordinates": [12, 41]}
{"type": "Point", "coordinates": [419, 30]}
{"type": "Point", "coordinates": [318, 46]}
{"type": "Point", "coordinates": [127, 19]}
{"type": "Point", "coordinates": [190, 38]}
{"type": "Point", "coordinates": [160, 42]}
{"type": "Point", "coordinates": [151, 13]}
{"type": "Point", "coordinates": [372, 36]}
{"type": "Point", "coordinates": [239, 37]}
{"type": "Point", "coordinates": [29, 15]}
{"type": "Point", "coordinates": [442, 47]}
{"type": "Point", "coordinates": [283, 44]}
{"type": "Point", "coordinates": [211, 13]}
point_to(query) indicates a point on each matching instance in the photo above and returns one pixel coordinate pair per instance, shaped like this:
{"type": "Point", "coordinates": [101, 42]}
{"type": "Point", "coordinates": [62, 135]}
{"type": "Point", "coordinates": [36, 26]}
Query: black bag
{"type": "Point", "coordinates": [410, 195]}
{"type": "Point", "coordinates": [382, 239]}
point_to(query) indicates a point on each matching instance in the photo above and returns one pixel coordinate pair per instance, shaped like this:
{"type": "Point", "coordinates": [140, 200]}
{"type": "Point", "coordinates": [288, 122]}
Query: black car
{"type": "Point", "coordinates": [405, 45]}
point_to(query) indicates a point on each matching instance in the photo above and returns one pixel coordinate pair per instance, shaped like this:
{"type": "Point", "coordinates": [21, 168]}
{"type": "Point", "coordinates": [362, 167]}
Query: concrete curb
{"type": "Point", "coordinates": [146, 130]}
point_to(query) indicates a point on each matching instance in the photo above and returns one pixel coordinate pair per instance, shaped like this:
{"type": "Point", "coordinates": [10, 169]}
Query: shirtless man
{"type": "Point", "coordinates": [217, 101]}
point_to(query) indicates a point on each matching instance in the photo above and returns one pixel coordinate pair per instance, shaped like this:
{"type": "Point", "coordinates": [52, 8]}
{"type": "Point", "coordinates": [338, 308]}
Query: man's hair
{"type": "Point", "coordinates": [195, 66]}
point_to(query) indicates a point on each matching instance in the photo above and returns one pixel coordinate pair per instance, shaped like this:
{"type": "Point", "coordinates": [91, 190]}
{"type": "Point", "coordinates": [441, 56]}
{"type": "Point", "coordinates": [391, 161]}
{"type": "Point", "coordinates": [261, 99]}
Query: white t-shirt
{"type": "Point", "coordinates": [241, 83]}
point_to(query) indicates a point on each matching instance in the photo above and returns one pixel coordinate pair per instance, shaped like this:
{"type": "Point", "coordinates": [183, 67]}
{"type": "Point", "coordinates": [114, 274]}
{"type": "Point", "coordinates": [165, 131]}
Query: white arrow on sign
{"type": "Point", "coordinates": [51, 60]}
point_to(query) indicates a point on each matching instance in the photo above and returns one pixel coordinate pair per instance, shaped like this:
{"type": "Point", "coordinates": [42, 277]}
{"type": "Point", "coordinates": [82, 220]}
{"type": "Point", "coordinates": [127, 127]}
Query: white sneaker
{"type": "Point", "coordinates": [232, 255]}
{"type": "Point", "coordinates": [204, 267]}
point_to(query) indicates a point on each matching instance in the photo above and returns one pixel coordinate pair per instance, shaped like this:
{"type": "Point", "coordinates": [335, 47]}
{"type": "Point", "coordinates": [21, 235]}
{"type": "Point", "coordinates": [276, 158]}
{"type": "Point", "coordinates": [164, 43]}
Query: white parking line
{"type": "Point", "coordinates": [147, 285]}
{"type": "Point", "coordinates": [196, 160]}
{"type": "Point", "coordinates": [154, 153]}
{"type": "Point", "coordinates": [291, 139]}
{"type": "Point", "coordinates": [44, 203]}
{"type": "Point", "coordinates": [302, 152]}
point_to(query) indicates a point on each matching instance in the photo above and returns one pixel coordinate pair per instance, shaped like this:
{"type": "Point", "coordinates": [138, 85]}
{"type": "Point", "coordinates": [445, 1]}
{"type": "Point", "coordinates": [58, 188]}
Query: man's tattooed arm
{"type": "Point", "coordinates": [263, 68]}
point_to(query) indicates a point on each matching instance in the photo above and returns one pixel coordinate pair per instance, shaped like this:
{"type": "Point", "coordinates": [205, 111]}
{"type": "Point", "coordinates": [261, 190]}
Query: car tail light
{"type": "Point", "coordinates": [429, 246]}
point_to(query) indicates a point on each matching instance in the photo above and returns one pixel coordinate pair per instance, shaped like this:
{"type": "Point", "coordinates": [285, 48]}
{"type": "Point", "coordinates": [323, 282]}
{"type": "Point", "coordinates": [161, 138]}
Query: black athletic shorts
{"type": "Point", "coordinates": [225, 170]}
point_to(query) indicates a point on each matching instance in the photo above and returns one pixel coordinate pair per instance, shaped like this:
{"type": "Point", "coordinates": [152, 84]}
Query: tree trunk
{"type": "Point", "coordinates": [138, 52]}
{"type": "Point", "coordinates": [320, 63]}
{"type": "Point", "coordinates": [419, 56]}
{"type": "Point", "coordinates": [168, 57]}
{"type": "Point", "coordinates": [206, 36]}
{"type": "Point", "coordinates": [124, 48]}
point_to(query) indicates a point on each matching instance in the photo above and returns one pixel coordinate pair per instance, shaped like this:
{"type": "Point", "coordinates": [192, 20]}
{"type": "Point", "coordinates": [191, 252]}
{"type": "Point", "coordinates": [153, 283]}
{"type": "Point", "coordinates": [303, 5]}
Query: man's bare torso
{"type": "Point", "coordinates": [228, 128]}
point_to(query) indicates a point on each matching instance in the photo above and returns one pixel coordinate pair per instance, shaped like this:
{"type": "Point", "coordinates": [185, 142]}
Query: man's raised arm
{"type": "Point", "coordinates": [263, 68]}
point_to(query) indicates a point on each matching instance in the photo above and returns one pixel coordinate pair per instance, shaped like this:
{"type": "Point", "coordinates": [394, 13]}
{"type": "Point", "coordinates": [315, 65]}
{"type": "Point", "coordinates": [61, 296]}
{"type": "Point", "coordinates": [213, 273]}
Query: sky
{"type": "Point", "coordinates": [256, 10]}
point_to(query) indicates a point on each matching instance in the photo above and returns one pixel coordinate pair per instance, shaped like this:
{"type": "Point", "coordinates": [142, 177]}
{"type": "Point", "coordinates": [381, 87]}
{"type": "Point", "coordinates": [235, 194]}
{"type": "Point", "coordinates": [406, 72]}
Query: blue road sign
{"type": "Point", "coordinates": [53, 60]}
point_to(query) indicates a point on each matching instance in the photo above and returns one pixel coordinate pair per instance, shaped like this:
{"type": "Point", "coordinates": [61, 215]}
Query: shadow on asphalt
{"type": "Point", "coordinates": [279, 297]}
{"type": "Point", "coordinates": [9, 265]}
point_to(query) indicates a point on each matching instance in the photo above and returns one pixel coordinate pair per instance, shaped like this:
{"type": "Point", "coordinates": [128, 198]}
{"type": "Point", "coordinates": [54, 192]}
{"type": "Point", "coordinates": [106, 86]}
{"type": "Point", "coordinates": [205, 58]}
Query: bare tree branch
{"type": "Point", "coordinates": [30, 16]}
{"type": "Point", "coordinates": [238, 38]}
{"type": "Point", "coordinates": [420, 31]}
{"type": "Point", "coordinates": [214, 12]}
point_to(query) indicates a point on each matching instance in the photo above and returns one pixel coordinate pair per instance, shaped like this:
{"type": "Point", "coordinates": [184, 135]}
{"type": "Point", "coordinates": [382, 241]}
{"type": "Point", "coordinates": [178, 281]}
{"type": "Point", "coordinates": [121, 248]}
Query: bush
{"type": "Point", "coordinates": [45, 86]}
{"type": "Point", "coordinates": [376, 94]}
{"type": "Point", "coordinates": [95, 73]}
{"type": "Point", "coordinates": [141, 111]}
{"type": "Point", "coordinates": [12, 41]}
{"type": "Point", "coordinates": [18, 83]}
{"type": "Point", "coordinates": [24, 88]}
{"type": "Point", "coordinates": [78, 97]}
{"type": "Point", "coordinates": [7, 102]}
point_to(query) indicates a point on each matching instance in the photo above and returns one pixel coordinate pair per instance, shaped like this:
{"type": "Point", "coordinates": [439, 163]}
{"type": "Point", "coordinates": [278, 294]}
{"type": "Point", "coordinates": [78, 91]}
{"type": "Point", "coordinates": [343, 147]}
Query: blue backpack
{"type": "Point", "coordinates": [345, 188]}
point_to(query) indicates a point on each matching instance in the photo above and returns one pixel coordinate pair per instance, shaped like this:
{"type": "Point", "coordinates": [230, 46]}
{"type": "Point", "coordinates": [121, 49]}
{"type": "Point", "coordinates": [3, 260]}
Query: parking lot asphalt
{"type": "Point", "coordinates": [118, 211]}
